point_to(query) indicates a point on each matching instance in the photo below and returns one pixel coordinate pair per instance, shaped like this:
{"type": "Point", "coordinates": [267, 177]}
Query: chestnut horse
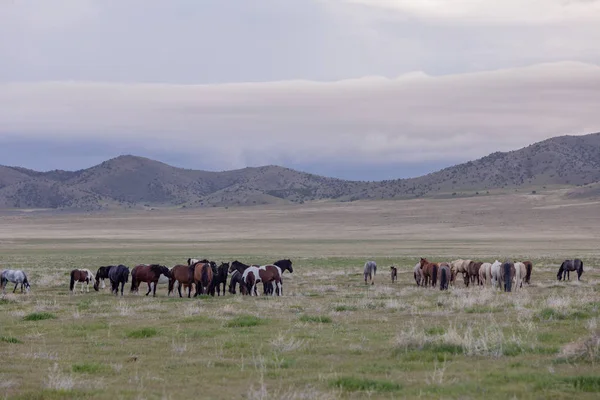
{"type": "Point", "coordinates": [203, 276]}
{"type": "Point", "coordinates": [82, 276]}
{"type": "Point", "coordinates": [149, 273]}
{"type": "Point", "coordinates": [430, 272]}
{"type": "Point", "coordinates": [183, 275]}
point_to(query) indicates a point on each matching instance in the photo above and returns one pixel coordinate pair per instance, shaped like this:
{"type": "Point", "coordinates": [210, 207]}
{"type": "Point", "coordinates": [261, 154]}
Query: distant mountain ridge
{"type": "Point", "coordinates": [130, 181]}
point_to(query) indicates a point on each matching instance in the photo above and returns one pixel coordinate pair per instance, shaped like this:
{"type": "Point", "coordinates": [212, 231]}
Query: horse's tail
{"type": "Point", "coordinates": [205, 277]}
{"type": "Point", "coordinates": [507, 277]}
{"type": "Point", "coordinates": [72, 284]}
{"type": "Point", "coordinates": [434, 273]}
{"type": "Point", "coordinates": [133, 282]}
{"type": "Point", "coordinates": [443, 279]}
{"type": "Point", "coordinates": [529, 266]}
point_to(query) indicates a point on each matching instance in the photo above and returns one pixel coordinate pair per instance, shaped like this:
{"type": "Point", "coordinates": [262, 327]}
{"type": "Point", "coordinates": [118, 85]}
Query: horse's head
{"type": "Point", "coordinates": [285, 264]}
{"type": "Point", "coordinates": [423, 262]}
{"type": "Point", "coordinates": [165, 271]}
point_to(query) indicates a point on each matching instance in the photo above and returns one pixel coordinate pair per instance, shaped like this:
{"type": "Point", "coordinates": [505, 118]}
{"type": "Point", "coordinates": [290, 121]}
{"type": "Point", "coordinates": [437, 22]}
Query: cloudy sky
{"type": "Point", "coordinates": [360, 89]}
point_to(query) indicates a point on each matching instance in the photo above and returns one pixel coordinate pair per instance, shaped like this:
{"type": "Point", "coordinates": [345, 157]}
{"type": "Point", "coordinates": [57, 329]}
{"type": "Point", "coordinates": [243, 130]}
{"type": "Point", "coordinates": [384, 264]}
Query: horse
{"type": "Point", "coordinates": [203, 276]}
{"type": "Point", "coordinates": [15, 276]}
{"type": "Point", "coordinates": [102, 273]}
{"type": "Point", "coordinates": [461, 266]}
{"type": "Point", "coordinates": [418, 274]}
{"type": "Point", "coordinates": [183, 275]}
{"type": "Point", "coordinates": [485, 274]}
{"type": "Point", "coordinates": [220, 277]}
{"type": "Point", "coordinates": [238, 266]}
{"type": "Point", "coordinates": [149, 273]}
{"type": "Point", "coordinates": [430, 272]}
{"type": "Point", "coordinates": [271, 274]}
{"type": "Point", "coordinates": [520, 274]}
{"type": "Point", "coordinates": [251, 277]}
{"type": "Point", "coordinates": [394, 273]}
{"type": "Point", "coordinates": [495, 273]}
{"type": "Point", "coordinates": [507, 275]}
{"type": "Point", "coordinates": [369, 271]}
{"type": "Point", "coordinates": [118, 275]}
{"type": "Point", "coordinates": [473, 272]}
{"type": "Point", "coordinates": [564, 272]}
{"type": "Point", "coordinates": [284, 265]}
{"type": "Point", "coordinates": [236, 279]}
{"type": "Point", "coordinates": [83, 276]}
{"type": "Point", "coordinates": [445, 275]}
{"type": "Point", "coordinates": [529, 266]}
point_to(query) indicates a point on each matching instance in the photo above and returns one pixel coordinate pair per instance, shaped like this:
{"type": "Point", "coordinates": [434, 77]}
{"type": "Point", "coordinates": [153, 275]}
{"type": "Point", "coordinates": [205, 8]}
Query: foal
{"type": "Point", "coordinates": [394, 273]}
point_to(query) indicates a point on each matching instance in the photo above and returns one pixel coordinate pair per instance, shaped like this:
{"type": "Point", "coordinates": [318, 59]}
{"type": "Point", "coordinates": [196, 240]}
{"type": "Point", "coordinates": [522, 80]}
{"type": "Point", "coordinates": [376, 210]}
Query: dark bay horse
{"type": "Point", "coordinates": [529, 266]}
{"type": "Point", "coordinates": [102, 273]}
{"type": "Point", "coordinates": [473, 273]}
{"type": "Point", "coordinates": [149, 273]}
{"type": "Point", "coordinates": [445, 275]}
{"type": "Point", "coordinates": [183, 275]}
{"type": "Point", "coordinates": [430, 272]}
{"type": "Point", "coordinates": [118, 275]}
{"type": "Point", "coordinates": [203, 276]}
{"type": "Point", "coordinates": [567, 266]}
{"type": "Point", "coordinates": [82, 276]}
{"type": "Point", "coordinates": [236, 279]}
{"type": "Point", "coordinates": [507, 274]}
{"type": "Point", "coordinates": [219, 278]}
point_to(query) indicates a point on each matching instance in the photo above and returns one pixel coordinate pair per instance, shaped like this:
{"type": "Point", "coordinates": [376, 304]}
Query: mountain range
{"type": "Point", "coordinates": [129, 181]}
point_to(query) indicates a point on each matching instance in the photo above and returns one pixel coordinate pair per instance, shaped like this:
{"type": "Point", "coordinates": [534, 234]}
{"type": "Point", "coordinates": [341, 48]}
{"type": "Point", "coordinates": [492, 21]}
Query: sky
{"type": "Point", "coordinates": [357, 89]}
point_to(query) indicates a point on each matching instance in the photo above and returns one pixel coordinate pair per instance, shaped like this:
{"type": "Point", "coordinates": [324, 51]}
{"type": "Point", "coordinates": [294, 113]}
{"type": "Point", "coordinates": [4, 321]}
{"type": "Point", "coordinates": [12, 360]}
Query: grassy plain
{"type": "Point", "coordinates": [330, 336]}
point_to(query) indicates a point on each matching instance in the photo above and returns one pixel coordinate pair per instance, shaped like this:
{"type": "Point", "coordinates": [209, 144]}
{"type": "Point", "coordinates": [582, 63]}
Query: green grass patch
{"type": "Point", "coordinates": [585, 383]}
{"type": "Point", "coordinates": [448, 348]}
{"type": "Point", "coordinates": [39, 316]}
{"type": "Point", "coordinates": [142, 333]}
{"type": "Point", "coordinates": [244, 321]}
{"type": "Point", "coordinates": [352, 384]}
{"type": "Point", "coordinates": [550, 314]}
{"type": "Point", "coordinates": [9, 339]}
{"type": "Point", "coordinates": [482, 310]}
{"type": "Point", "coordinates": [435, 331]}
{"type": "Point", "coordinates": [323, 319]}
{"type": "Point", "coordinates": [345, 308]}
{"type": "Point", "coordinates": [50, 394]}
{"type": "Point", "coordinates": [88, 368]}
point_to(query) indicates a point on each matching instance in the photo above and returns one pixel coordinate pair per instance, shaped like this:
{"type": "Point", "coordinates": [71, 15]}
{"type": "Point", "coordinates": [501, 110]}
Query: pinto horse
{"type": "Point", "coordinates": [270, 274]}
{"type": "Point", "coordinates": [203, 276]}
{"type": "Point", "coordinates": [219, 278]}
{"type": "Point", "coordinates": [430, 272]}
{"type": "Point", "coordinates": [82, 276]}
{"type": "Point", "coordinates": [15, 276]}
{"type": "Point", "coordinates": [251, 277]}
{"type": "Point", "coordinates": [149, 273]}
{"type": "Point", "coordinates": [564, 272]}
{"type": "Point", "coordinates": [102, 273]}
{"type": "Point", "coordinates": [283, 266]}
{"type": "Point", "coordinates": [118, 275]}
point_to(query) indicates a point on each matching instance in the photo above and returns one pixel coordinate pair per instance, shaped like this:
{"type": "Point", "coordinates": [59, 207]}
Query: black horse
{"type": "Point", "coordinates": [570, 265]}
{"type": "Point", "coordinates": [118, 275]}
{"type": "Point", "coordinates": [102, 273]}
{"type": "Point", "coordinates": [219, 278]}
{"type": "Point", "coordinates": [236, 279]}
{"type": "Point", "coordinates": [444, 277]}
{"type": "Point", "coordinates": [508, 271]}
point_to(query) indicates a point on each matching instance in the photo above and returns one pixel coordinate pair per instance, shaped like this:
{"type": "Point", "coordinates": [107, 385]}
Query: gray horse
{"type": "Point", "coordinates": [370, 271]}
{"type": "Point", "coordinates": [15, 276]}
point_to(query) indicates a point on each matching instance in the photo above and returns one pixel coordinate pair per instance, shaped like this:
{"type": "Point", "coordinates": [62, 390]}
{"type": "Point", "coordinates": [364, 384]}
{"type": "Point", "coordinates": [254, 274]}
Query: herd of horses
{"type": "Point", "coordinates": [506, 275]}
{"type": "Point", "coordinates": [205, 277]}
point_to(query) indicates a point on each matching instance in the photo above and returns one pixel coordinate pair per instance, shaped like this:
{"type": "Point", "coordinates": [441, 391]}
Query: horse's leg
{"type": "Point", "coordinates": [154, 291]}
{"type": "Point", "coordinates": [15, 289]}
{"type": "Point", "coordinates": [149, 288]}
{"type": "Point", "coordinates": [122, 287]}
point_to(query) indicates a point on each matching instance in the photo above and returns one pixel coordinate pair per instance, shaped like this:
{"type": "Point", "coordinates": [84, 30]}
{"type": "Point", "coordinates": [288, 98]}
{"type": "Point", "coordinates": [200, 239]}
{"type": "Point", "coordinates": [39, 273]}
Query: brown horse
{"type": "Point", "coordinates": [183, 275]}
{"type": "Point", "coordinates": [394, 273]}
{"type": "Point", "coordinates": [203, 276]}
{"type": "Point", "coordinates": [82, 276]}
{"type": "Point", "coordinates": [149, 273]}
{"type": "Point", "coordinates": [430, 272]}
{"type": "Point", "coordinates": [473, 273]}
{"type": "Point", "coordinates": [529, 266]}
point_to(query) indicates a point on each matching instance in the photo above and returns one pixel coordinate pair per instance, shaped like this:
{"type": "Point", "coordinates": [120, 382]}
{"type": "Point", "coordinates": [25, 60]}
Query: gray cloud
{"type": "Point", "coordinates": [373, 121]}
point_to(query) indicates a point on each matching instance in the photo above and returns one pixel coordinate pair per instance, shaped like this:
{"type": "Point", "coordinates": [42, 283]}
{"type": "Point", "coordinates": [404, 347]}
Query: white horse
{"type": "Point", "coordinates": [495, 274]}
{"type": "Point", "coordinates": [255, 278]}
{"type": "Point", "coordinates": [370, 271]}
{"type": "Point", "coordinates": [460, 265]}
{"type": "Point", "coordinates": [520, 274]}
{"type": "Point", "coordinates": [485, 274]}
{"type": "Point", "coordinates": [418, 274]}
{"type": "Point", "coordinates": [15, 276]}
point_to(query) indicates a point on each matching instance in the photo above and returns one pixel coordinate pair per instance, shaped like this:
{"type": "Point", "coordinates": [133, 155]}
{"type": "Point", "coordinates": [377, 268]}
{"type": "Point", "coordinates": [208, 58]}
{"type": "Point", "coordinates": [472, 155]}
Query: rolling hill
{"type": "Point", "coordinates": [130, 181]}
